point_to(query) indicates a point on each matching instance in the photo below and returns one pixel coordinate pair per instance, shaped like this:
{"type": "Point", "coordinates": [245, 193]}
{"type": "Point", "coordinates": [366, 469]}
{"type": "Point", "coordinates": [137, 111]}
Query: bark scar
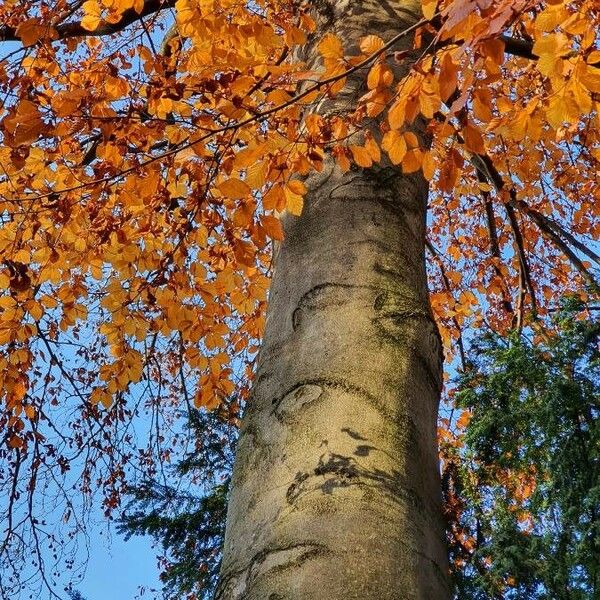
{"type": "Point", "coordinates": [322, 296]}
{"type": "Point", "coordinates": [235, 585]}
{"type": "Point", "coordinates": [300, 395]}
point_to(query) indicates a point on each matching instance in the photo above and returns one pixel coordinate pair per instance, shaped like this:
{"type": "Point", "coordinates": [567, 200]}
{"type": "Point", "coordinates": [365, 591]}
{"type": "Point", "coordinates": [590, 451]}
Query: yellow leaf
{"type": "Point", "coordinates": [294, 201]}
{"type": "Point", "coordinates": [552, 17]}
{"type": "Point", "coordinates": [549, 49]}
{"type": "Point", "coordinates": [429, 7]}
{"type": "Point", "coordinates": [561, 109]}
{"type": "Point", "coordinates": [92, 15]}
{"type": "Point", "coordinates": [590, 78]}
{"type": "Point", "coordinates": [581, 95]}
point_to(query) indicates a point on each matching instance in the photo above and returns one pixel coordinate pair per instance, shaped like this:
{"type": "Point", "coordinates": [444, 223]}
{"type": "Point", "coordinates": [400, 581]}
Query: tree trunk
{"type": "Point", "coordinates": [336, 488]}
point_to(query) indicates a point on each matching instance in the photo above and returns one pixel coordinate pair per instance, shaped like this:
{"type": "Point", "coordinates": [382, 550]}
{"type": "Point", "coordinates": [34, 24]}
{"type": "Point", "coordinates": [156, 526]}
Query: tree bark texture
{"type": "Point", "coordinates": [336, 487]}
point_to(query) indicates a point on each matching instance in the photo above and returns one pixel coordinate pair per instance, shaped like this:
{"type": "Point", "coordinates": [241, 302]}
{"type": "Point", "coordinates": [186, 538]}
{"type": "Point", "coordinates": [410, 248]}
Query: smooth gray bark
{"type": "Point", "coordinates": [336, 488]}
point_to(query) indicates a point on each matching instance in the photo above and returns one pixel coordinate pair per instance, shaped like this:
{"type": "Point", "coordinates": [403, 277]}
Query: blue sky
{"type": "Point", "coordinates": [116, 568]}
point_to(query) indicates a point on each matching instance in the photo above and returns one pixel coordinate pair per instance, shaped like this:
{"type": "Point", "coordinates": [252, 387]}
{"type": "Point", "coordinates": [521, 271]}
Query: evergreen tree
{"type": "Point", "coordinates": [186, 515]}
{"type": "Point", "coordinates": [527, 489]}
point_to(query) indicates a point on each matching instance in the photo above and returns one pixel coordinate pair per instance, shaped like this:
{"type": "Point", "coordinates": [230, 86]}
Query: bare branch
{"type": "Point", "coordinates": [438, 259]}
{"type": "Point", "coordinates": [483, 164]}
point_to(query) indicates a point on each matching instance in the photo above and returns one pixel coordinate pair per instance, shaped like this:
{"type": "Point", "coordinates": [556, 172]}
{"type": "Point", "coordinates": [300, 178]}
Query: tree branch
{"type": "Point", "coordinates": [524, 48]}
{"type": "Point", "coordinates": [518, 47]}
{"type": "Point", "coordinates": [73, 29]}
{"type": "Point", "coordinates": [438, 259]}
{"type": "Point", "coordinates": [525, 273]}
{"type": "Point", "coordinates": [548, 225]}
{"type": "Point", "coordinates": [494, 245]}
{"type": "Point", "coordinates": [484, 164]}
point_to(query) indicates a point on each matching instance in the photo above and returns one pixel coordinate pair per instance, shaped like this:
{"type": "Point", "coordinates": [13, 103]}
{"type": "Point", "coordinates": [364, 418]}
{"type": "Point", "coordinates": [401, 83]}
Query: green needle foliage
{"type": "Point", "coordinates": [527, 484]}
{"type": "Point", "coordinates": [187, 518]}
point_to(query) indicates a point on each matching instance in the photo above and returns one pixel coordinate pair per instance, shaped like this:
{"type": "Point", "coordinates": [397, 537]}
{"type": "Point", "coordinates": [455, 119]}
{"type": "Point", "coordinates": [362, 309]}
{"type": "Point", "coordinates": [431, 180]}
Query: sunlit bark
{"type": "Point", "coordinates": [336, 488]}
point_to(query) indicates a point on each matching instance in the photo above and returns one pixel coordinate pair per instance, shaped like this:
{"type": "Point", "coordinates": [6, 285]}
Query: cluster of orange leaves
{"type": "Point", "coordinates": [517, 485]}
{"type": "Point", "coordinates": [144, 173]}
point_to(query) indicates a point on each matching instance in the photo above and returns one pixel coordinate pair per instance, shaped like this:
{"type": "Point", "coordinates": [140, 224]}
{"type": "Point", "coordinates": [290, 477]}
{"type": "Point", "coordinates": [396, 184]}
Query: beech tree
{"type": "Point", "coordinates": [166, 164]}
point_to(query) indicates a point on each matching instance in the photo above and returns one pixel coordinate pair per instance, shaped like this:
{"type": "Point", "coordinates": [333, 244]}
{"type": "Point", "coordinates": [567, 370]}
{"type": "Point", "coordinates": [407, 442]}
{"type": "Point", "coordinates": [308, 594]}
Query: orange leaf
{"type": "Point", "coordinates": [397, 114]}
{"type": "Point", "coordinates": [14, 441]}
{"type": "Point", "coordinates": [473, 139]}
{"type": "Point", "coordinates": [394, 144]}
{"type": "Point", "coordinates": [380, 75]}
{"type": "Point", "coordinates": [331, 47]}
{"type": "Point", "coordinates": [371, 44]}
{"type": "Point", "coordinates": [32, 31]}
{"type": "Point", "coordinates": [234, 188]}
{"type": "Point", "coordinates": [428, 166]}
{"type": "Point", "coordinates": [361, 156]}
{"type": "Point", "coordinates": [272, 227]}
{"type": "Point", "coordinates": [412, 161]}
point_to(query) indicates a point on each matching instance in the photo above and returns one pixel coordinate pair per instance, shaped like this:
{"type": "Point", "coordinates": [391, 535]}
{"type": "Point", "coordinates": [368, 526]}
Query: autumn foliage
{"type": "Point", "coordinates": [150, 148]}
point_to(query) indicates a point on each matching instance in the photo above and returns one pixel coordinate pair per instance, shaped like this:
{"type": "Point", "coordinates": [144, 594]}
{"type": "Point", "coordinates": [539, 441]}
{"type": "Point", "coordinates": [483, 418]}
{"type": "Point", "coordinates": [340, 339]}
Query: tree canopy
{"type": "Point", "coordinates": [525, 489]}
{"type": "Point", "coordinates": [149, 149]}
